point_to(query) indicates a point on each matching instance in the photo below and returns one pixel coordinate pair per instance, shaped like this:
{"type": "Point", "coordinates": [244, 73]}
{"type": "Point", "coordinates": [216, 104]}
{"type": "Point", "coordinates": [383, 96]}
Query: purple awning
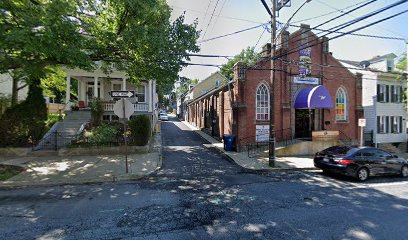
{"type": "Point", "coordinates": [314, 97]}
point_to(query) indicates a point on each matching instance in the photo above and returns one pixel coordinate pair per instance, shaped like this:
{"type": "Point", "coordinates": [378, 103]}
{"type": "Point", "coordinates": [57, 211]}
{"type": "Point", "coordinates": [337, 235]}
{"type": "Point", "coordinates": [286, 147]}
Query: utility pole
{"type": "Point", "coordinates": [272, 140]}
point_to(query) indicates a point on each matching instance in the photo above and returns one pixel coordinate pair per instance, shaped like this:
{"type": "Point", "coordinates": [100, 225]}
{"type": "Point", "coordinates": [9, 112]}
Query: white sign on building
{"type": "Point", "coordinates": [262, 133]}
{"type": "Point", "coordinates": [306, 80]}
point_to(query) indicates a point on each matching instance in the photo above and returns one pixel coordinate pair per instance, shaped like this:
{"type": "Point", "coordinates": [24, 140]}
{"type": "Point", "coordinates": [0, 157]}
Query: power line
{"type": "Point", "coordinates": [221, 16]}
{"type": "Point", "coordinates": [304, 46]}
{"type": "Point", "coordinates": [212, 15]}
{"type": "Point", "coordinates": [205, 14]}
{"type": "Point", "coordinates": [329, 13]}
{"type": "Point", "coordinates": [354, 34]}
{"type": "Point", "coordinates": [332, 19]}
{"type": "Point", "coordinates": [355, 16]}
{"type": "Point", "coordinates": [219, 13]}
{"type": "Point", "coordinates": [233, 33]}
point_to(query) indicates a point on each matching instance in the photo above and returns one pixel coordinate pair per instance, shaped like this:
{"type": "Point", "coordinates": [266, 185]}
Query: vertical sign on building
{"type": "Point", "coordinates": [305, 62]}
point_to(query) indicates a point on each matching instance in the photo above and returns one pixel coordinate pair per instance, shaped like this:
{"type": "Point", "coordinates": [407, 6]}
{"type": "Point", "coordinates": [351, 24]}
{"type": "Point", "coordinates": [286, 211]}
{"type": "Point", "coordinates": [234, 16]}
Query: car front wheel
{"type": "Point", "coordinates": [362, 174]}
{"type": "Point", "coordinates": [404, 171]}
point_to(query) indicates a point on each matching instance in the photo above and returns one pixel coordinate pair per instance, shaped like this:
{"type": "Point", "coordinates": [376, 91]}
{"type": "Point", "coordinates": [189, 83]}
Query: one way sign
{"type": "Point", "coordinates": [122, 94]}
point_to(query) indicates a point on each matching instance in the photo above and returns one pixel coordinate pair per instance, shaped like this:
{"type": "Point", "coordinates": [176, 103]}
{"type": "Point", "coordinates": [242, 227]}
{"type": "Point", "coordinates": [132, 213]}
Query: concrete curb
{"type": "Point", "coordinates": [113, 179]}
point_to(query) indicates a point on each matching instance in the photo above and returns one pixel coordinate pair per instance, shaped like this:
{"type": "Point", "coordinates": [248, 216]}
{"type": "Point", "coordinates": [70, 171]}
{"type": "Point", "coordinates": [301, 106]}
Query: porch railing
{"type": "Point", "coordinates": [139, 107]}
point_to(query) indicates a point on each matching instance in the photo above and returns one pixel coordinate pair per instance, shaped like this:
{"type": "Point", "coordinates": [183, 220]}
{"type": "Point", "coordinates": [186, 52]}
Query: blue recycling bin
{"type": "Point", "coordinates": [229, 141]}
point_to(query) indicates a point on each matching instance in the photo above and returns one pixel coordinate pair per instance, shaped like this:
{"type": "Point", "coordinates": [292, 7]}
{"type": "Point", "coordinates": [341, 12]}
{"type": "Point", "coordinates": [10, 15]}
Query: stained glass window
{"type": "Point", "coordinates": [341, 105]}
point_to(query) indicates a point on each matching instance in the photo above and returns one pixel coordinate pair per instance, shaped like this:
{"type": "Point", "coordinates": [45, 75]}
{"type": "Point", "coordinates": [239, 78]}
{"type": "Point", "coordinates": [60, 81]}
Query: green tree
{"type": "Point", "coordinates": [37, 35]}
{"type": "Point", "coordinates": [248, 56]}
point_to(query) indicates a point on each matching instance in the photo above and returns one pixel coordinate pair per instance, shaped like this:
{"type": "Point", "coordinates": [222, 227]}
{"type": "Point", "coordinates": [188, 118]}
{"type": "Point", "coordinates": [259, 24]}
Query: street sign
{"type": "Point", "coordinates": [281, 3]}
{"type": "Point", "coordinates": [122, 94]}
{"type": "Point", "coordinates": [361, 122]}
{"type": "Point", "coordinates": [123, 108]}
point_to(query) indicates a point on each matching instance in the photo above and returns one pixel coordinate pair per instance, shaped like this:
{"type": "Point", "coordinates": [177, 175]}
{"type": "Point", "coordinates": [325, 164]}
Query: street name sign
{"type": "Point", "coordinates": [122, 94]}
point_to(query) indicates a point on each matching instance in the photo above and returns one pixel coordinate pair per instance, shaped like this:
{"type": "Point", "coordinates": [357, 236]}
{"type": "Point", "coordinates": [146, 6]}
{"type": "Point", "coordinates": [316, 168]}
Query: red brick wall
{"type": "Point", "coordinates": [331, 77]}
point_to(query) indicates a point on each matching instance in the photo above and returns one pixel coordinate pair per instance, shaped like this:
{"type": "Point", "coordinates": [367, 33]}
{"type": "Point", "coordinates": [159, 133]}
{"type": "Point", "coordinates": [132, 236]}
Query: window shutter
{"type": "Point", "coordinates": [387, 124]}
{"type": "Point", "coordinates": [392, 94]}
{"type": "Point", "coordinates": [400, 124]}
{"type": "Point", "coordinates": [387, 93]}
{"type": "Point", "coordinates": [400, 94]}
{"type": "Point", "coordinates": [392, 124]}
{"type": "Point", "coordinates": [378, 93]}
{"type": "Point", "coordinates": [378, 125]}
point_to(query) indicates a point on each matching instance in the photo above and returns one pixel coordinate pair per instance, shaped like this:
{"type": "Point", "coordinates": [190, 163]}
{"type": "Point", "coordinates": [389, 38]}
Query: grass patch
{"type": "Point", "coordinates": [8, 171]}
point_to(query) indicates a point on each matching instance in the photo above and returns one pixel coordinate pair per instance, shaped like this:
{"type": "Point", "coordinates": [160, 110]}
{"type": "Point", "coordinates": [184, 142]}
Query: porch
{"type": "Point", "coordinates": [96, 84]}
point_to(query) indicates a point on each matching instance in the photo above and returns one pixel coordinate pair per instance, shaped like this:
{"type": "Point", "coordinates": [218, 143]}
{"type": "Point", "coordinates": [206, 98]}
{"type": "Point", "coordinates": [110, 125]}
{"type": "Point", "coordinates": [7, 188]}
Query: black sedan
{"type": "Point", "coordinates": [360, 162]}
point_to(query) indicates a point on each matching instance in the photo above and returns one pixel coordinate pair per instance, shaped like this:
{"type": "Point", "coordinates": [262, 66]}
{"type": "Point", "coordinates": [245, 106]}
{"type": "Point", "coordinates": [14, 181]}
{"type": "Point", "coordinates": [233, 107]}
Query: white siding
{"type": "Point", "coordinates": [391, 109]}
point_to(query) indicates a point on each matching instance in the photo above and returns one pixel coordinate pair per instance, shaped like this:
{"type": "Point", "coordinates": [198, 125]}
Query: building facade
{"type": "Point", "coordinates": [383, 99]}
{"type": "Point", "coordinates": [313, 92]}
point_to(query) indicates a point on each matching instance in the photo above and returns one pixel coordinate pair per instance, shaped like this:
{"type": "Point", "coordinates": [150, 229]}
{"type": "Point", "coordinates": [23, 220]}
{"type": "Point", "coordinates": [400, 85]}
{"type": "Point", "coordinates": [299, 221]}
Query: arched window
{"type": "Point", "coordinates": [262, 103]}
{"type": "Point", "coordinates": [341, 105]}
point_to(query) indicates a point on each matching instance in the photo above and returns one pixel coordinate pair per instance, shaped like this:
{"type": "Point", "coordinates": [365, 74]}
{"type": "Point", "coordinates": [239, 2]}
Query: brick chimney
{"type": "Point", "coordinates": [283, 40]}
{"type": "Point", "coordinates": [266, 50]}
{"type": "Point", "coordinates": [305, 29]}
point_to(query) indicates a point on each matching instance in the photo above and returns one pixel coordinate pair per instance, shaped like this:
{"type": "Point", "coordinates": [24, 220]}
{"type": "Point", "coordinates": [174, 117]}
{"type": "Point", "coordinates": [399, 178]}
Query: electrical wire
{"type": "Point", "coordinates": [233, 33]}
{"type": "Point", "coordinates": [212, 15]}
{"type": "Point", "coordinates": [324, 3]}
{"type": "Point", "coordinates": [332, 19]}
{"type": "Point", "coordinates": [304, 46]}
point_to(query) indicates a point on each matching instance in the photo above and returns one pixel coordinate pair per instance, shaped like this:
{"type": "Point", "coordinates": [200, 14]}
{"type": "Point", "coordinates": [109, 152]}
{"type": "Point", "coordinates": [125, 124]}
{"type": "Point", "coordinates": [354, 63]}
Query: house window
{"type": "Point", "coordinates": [217, 83]}
{"type": "Point", "coordinates": [116, 86]}
{"type": "Point", "coordinates": [396, 124]}
{"type": "Point", "coordinates": [383, 93]}
{"type": "Point", "coordinates": [341, 105]}
{"type": "Point", "coordinates": [262, 103]}
{"type": "Point", "coordinates": [396, 94]}
{"type": "Point", "coordinates": [382, 124]}
{"type": "Point", "coordinates": [140, 93]}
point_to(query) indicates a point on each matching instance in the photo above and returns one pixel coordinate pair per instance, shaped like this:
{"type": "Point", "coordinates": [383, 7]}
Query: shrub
{"type": "Point", "coordinates": [25, 122]}
{"type": "Point", "coordinates": [96, 111]}
{"type": "Point", "coordinates": [140, 130]}
{"type": "Point", "coordinates": [103, 134]}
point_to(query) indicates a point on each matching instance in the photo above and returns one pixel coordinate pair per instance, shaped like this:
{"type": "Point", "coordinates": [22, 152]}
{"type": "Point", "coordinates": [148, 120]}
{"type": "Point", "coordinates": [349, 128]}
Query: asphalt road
{"type": "Point", "coordinates": [200, 194]}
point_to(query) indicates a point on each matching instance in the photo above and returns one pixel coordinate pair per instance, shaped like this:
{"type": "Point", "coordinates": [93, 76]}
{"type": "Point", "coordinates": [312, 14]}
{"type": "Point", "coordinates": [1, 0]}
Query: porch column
{"type": "Point", "coordinates": [124, 84]}
{"type": "Point", "coordinates": [150, 96]}
{"type": "Point", "coordinates": [95, 86]}
{"type": "Point", "coordinates": [68, 93]}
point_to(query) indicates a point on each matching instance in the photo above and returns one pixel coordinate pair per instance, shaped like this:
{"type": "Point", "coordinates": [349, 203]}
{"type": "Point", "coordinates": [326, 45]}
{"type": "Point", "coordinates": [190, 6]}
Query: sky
{"type": "Point", "coordinates": [220, 17]}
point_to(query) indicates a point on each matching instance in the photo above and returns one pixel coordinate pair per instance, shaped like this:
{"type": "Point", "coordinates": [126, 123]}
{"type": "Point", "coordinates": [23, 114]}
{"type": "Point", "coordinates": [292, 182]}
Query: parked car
{"type": "Point", "coordinates": [360, 162]}
{"type": "Point", "coordinates": [164, 116]}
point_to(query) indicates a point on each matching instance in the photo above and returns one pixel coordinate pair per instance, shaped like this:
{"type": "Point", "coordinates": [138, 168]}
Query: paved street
{"type": "Point", "coordinates": [200, 194]}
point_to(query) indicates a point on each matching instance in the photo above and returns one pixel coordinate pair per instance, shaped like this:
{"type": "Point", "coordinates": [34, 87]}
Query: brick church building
{"type": "Point", "coordinates": [313, 91]}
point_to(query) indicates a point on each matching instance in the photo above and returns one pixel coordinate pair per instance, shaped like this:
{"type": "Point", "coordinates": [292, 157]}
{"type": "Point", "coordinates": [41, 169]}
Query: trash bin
{"type": "Point", "coordinates": [229, 141]}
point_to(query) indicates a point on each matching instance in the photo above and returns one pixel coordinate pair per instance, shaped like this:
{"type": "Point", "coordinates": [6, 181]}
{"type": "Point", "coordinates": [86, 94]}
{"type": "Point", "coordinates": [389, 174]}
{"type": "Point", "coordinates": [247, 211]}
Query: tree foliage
{"type": "Point", "coordinates": [138, 36]}
{"type": "Point", "coordinates": [248, 56]}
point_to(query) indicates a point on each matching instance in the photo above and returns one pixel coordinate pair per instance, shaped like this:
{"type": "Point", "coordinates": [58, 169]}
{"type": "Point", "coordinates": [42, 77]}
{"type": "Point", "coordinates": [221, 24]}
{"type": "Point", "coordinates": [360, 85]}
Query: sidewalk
{"type": "Point", "coordinates": [56, 170]}
{"type": "Point", "coordinates": [258, 163]}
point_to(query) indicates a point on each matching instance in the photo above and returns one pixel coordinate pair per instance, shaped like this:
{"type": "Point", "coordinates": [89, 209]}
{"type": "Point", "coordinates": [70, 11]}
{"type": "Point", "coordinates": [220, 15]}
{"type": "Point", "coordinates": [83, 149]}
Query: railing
{"type": "Point", "coordinates": [139, 107]}
{"type": "Point", "coordinates": [254, 146]}
{"type": "Point", "coordinates": [346, 140]}
{"type": "Point", "coordinates": [55, 140]}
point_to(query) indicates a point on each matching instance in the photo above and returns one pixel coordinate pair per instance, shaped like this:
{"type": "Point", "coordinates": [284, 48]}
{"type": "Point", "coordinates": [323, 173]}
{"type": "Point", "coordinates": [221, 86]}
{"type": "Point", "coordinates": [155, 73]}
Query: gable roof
{"type": "Point", "coordinates": [386, 56]}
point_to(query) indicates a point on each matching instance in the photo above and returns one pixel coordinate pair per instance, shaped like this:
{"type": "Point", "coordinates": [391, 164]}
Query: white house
{"type": "Point", "coordinates": [98, 84]}
{"type": "Point", "coordinates": [382, 98]}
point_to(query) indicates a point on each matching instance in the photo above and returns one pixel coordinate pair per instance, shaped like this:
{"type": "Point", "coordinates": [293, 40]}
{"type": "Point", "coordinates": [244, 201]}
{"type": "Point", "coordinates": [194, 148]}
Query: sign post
{"type": "Point", "coordinates": [124, 109]}
{"type": "Point", "coordinates": [361, 124]}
